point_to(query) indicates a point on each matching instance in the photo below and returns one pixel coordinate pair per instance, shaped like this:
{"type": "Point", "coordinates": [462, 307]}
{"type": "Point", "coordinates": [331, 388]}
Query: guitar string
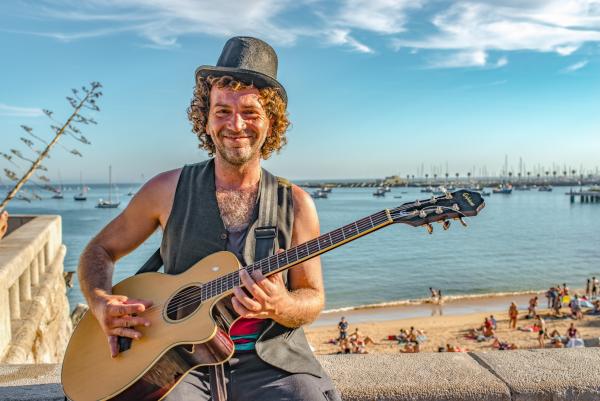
{"type": "Point", "coordinates": [192, 290]}
{"type": "Point", "coordinates": [312, 246]}
{"type": "Point", "coordinates": [227, 282]}
{"type": "Point", "coordinates": [176, 300]}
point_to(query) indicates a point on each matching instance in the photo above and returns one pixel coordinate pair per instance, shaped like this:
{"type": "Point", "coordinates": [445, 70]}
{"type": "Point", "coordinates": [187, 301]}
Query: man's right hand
{"type": "Point", "coordinates": [117, 316]}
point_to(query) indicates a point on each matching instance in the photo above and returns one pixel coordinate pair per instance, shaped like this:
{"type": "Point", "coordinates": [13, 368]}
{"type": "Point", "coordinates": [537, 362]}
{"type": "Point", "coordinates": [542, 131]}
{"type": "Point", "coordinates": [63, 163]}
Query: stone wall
{"type": "Point", "coordinates": [522, 375]}
{"type": "Point", "coordinates": [35, 325]}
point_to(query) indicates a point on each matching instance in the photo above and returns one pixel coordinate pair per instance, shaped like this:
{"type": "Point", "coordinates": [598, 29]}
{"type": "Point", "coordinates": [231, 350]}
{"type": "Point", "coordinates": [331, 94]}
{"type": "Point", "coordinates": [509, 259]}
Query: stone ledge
{"type": "Point", "coordinates": [557, 375]}
{"type": "Point", "coordinates": [546, 374]}
{"type": "Point", "coordinates": [25, 335]}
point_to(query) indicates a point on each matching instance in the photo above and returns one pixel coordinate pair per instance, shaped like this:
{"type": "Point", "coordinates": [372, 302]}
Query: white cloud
{"type": "Point", "coordinates": [162, 22]}
{"type": "Point", "coordinates": [381, 16]}
{"type": "Point", "coordinates": [476, 58]}
{"type": "Point", "coordinates": [461, 59]}
{"type": "Point", "coordinates": [464, 26]}
{"type": "Point", "coordinates": [14, 111]}
{"type": "Point", "coordinates": [560, 26]}
{"type": "Point", "coordinates": [577, 66]}
{"type": "Point", "coordinates": [342, 37]}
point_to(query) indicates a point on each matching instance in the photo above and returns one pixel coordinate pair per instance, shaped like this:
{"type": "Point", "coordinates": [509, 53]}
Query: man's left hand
{"type": "Point", "coordinates": [269, 296]}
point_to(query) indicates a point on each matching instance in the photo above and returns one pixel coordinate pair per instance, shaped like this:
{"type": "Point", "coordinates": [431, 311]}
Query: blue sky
{"type": "Point", "coordinates": [376, 87]}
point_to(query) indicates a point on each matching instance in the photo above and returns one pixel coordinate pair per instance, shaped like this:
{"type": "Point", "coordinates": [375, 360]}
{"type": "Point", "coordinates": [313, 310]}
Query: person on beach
{"type": "Point", "coordinates": [343, 328]}
{"type": "Point", "coordinates": [575, 306]}
{"type": "Point", "coordinates": [238, 112]}
{"type": "Point", "coordinates": [3, 223]}
{"type": "Point", "coordinates": [565, 290]}
{"type": "Point", "coordinates": [513, 314]}
{"type": "Point", "coordinates": [360, 342]}
{"type": "Point", "coordinates": [595, 285]}
{"type": "Point", "coordinates": [541, 324]}
{"type": "Point", "coordinates": [503, 345]}
{"type": "Point", "coordinates": [557, 340]}
{"type": "Point", "coordinates": [440, 298]}
{"type": "Point", "coordinates": [434, 295]}
{"type": "Point", "coordinates": [573, 338]}
{"type": "Point", "coordinates": [550, 297]}
{"type": "Point", "coordinates": [493, 322]}
{"type": "Point", "coordinates": [557, 305]}
{"type": "Point", "coordinates": [588, 288]}
{"type": "Point", "coordinates": [402, 337]}
{"type": "Point", "coordinates": [532, 309]}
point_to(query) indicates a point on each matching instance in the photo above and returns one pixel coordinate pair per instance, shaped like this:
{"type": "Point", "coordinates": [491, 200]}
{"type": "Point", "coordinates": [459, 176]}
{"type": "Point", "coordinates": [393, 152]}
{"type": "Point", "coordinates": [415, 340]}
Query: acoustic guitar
{"type": "Point", "coordinates": [192, 311]}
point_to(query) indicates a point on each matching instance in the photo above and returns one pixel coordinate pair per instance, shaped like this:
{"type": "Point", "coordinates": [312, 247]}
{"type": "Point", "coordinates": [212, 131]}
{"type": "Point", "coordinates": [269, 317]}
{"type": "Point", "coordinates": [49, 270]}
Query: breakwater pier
{"type": "Point", "coordinates": [584, 196]}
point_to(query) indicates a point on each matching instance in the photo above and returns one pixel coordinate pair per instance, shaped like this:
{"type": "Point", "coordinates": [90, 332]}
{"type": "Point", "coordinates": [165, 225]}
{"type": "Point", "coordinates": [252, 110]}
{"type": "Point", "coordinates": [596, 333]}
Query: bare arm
{"type": "Point", "coordinates": [270, 298]}
{"type": "Point", "coordinates": [147, 210]}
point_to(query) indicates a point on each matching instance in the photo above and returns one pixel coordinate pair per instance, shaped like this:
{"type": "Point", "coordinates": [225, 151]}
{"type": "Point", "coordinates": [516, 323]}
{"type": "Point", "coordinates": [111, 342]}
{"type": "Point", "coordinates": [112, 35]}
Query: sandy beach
{"type": "Point", "coordinates": [447, 324]}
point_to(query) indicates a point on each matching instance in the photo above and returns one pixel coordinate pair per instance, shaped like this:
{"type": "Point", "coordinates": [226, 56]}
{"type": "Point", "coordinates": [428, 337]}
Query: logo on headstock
{"type": "Point", "coordinates": [468, 198]}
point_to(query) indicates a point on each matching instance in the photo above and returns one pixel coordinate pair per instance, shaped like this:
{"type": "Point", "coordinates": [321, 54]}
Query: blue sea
{"type": "Point", "coordinates": [525, 241]}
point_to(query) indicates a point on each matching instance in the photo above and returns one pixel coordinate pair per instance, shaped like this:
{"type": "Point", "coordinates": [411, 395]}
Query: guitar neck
{"type": "Point", "coordinates": [300, 253]}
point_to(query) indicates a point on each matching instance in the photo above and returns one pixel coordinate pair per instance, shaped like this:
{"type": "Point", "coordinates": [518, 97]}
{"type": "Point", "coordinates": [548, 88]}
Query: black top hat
{"type": "Point", "coordinates": [249, 60]}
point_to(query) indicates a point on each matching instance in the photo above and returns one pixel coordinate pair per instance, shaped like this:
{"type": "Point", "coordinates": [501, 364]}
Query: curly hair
{"type": "Point", "coordinates": [269, 98]}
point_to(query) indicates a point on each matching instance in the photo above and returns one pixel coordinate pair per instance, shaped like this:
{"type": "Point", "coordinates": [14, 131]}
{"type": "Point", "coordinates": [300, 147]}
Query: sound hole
{"type": "Point", "coordinates": [184, 303]}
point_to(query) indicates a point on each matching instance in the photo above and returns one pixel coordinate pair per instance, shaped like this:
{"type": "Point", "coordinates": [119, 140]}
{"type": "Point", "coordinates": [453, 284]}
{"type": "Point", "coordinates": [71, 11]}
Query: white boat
{"type": "Point", "coordinates": [379, 192]}
{"type": "Point", "coordinates": [318, 194]}
{"type": "Point", "coordinates": [503, 189]}
{"type": "Point", "coordinates": [58, 192]}
{"type": "Point", "coordinates": [82, 195]}
{"type": "Point", "coordinates": [108, 204]}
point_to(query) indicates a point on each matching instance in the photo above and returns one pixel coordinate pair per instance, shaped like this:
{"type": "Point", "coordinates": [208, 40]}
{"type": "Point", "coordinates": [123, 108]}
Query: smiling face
{"type": "Point", "coordinates": [237, 124]}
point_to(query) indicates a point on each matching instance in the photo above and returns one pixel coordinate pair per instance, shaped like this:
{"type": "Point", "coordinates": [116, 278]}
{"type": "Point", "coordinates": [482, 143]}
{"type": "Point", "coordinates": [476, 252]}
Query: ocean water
{"type": "Point", "coordinates": [525, 241]}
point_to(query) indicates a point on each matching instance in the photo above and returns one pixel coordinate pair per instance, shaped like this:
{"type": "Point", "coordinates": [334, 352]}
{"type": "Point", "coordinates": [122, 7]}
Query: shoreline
{"type": "Point", "coordinates": [452, 306]}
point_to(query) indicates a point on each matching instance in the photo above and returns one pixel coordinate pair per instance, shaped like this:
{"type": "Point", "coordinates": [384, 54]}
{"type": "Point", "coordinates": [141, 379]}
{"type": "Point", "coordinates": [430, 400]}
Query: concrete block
{"type": "Point", "coordinates": [547, 374]}
{"type": "Point", "coordinates": [30, 382]}
{"type": "Point", "coordinates": [414, 377]}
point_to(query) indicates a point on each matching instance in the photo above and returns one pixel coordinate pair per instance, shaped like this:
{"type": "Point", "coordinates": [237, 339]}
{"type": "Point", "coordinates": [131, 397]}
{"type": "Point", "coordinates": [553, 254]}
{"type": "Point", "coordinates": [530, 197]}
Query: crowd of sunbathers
{"type": "Point", "coordinates": [411, 340]}
{"type": "Point", "coordinates": [354, 343]}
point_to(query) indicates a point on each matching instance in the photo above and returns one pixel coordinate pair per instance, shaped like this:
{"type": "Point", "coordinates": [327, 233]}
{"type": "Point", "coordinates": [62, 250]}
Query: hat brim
{"type": "Point", "coordinates": [249, 77]}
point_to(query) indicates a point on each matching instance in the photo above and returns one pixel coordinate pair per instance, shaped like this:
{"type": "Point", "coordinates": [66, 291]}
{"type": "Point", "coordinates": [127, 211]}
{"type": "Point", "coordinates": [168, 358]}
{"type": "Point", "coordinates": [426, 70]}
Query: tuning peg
{"type": "Point", "coordinates": [446, 224]}
{"type": "Point", "coordinates": [422, 214]}
{"type": "Point", "coordinates": [438, 210]}
{"type": "Point", "coordinates": [429, 228]}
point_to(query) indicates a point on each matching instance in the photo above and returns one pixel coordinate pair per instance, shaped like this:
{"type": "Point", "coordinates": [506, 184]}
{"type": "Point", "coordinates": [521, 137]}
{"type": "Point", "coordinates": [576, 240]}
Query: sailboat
{"type": "Point", "coordinates": [108, 204]}
{"type": "Point", "coordinates": [58, 192]}
{"type": "Point", "coordinates": [82, 195]}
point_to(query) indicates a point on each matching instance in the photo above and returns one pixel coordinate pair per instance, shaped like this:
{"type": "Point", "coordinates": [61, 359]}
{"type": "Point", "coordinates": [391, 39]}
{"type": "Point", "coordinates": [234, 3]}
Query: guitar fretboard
{"type": "Point", "coordinates": [293, 256]}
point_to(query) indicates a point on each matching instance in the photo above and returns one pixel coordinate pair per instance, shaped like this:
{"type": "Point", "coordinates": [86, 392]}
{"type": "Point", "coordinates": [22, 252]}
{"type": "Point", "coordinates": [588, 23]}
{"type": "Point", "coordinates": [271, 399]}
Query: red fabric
{"type": "Point", "coordinates": [244, 327]}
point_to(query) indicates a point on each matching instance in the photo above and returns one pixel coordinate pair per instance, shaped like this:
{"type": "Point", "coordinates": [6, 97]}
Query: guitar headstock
{"type": "Point", "coordinates": [443, 208]}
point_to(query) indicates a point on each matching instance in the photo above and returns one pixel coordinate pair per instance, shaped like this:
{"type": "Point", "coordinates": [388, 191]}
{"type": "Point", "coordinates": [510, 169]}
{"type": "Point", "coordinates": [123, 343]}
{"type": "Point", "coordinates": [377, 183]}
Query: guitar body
{"type": "Point", "coordinates": [169, 348]}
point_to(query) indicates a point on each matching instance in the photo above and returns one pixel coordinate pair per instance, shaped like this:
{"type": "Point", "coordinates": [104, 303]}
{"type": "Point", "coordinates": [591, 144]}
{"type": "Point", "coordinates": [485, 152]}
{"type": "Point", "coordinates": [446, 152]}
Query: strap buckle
{"type": "Point", "coordinates": [265, 232]}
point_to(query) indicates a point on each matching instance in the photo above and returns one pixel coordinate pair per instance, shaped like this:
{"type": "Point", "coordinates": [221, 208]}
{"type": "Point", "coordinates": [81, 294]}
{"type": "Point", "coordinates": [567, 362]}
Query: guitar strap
{"type": "Point", "coordinates": [265, 233]}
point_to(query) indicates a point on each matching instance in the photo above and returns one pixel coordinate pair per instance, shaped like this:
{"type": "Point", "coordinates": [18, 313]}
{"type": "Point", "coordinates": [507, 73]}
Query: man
{"type": "Point", "coordinates": [343, 328]}
{"type": "Point", "coordinates": [238, 113]}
